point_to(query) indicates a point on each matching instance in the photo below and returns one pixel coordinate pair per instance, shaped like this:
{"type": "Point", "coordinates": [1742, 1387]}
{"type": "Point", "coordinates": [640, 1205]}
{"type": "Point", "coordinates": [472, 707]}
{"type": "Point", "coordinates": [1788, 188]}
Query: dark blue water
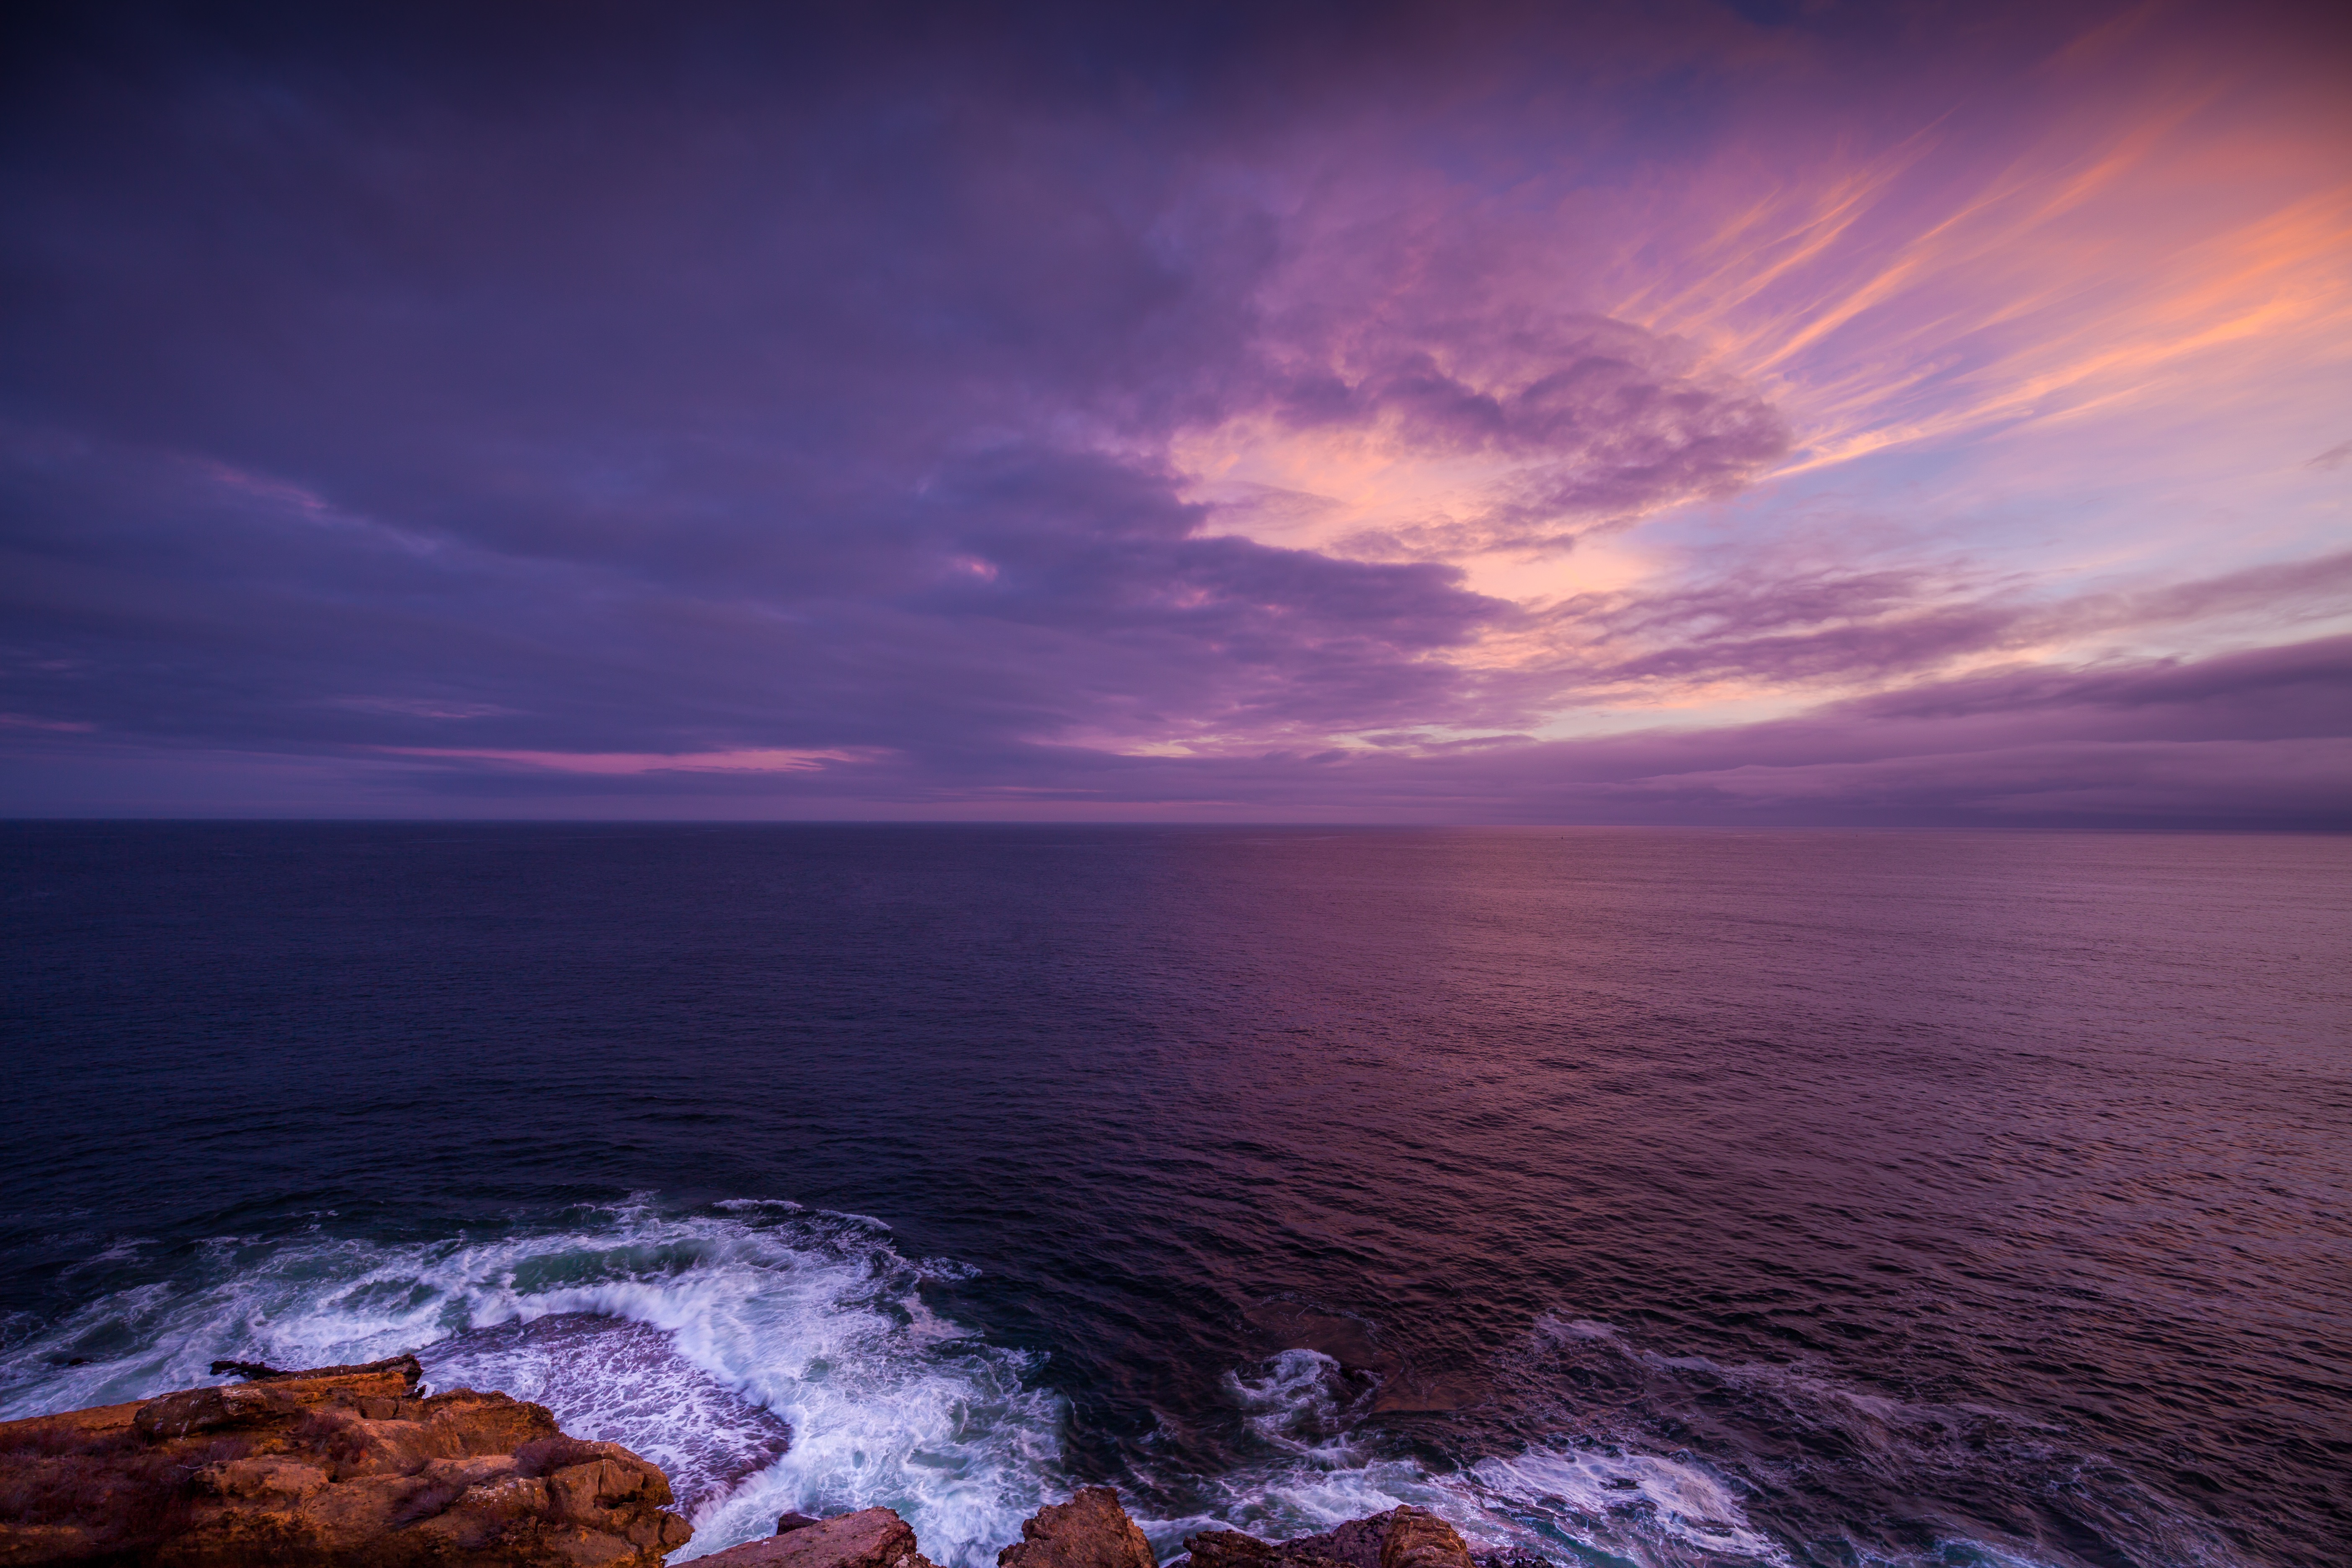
{"type": "Point", "coordinates": [1706, 1197]}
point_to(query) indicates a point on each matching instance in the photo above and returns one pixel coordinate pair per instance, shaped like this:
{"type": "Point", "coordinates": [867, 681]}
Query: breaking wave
{"type": "Point", "coordinates": [771, 1357]}
{"type": "Point", "coordinates": [1323, 1464]}
{"type": "Point", "coordinates": [699, 1341]}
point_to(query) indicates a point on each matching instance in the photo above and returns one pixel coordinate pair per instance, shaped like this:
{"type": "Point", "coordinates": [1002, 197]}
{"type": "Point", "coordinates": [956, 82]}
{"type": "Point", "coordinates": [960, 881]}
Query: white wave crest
{"type": "Point", "coordinates": [1306, 1416]}
{"type": "Point", "coordinates": [1599, 1495]}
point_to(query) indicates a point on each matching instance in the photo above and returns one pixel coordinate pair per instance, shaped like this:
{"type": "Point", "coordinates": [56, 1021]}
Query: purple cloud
{"type": "Point", "coordinates": [1598, 420]}
{"type": "Point", "coordinates": [399, 403]}
{"type": "Point", "coordinates": [2262, 738]}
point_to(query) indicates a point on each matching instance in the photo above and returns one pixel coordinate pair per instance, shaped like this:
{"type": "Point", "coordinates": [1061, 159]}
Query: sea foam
{"type": "Point", "coordinates": [709, 1341]}
{"type": "Point", "coordinates": [693, 1339]}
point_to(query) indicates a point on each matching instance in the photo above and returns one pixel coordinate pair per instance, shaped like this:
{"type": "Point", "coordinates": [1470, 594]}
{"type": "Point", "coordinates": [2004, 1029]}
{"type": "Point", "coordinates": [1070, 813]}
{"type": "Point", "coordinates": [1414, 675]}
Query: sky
{"type": "Point", "coordinates": [1763, 412]}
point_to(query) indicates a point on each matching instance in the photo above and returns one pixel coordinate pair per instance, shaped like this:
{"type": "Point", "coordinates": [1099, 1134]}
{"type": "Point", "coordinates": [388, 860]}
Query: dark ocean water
{"type": "Point", "coordinates": [1663, 1197]}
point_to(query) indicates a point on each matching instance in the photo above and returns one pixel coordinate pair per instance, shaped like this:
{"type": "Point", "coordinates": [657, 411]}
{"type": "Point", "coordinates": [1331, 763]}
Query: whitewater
{"type": "Point", "coordinates": [771, 1357]}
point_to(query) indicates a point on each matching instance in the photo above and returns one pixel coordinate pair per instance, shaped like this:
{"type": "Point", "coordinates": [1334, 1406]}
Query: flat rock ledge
{"type": "Point", "coordinates": [334, 1468]}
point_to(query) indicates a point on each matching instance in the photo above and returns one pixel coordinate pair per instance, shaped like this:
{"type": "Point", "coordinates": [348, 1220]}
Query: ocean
{"type": "Point", "coordinates": [1626, 1196]}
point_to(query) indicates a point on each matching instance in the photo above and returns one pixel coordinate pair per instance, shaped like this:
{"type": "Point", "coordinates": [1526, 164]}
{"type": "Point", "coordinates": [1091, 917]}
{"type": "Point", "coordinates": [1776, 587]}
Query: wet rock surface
{"type": "Point", "coordinates": [1090, 1530]}
{"type": "Point", "coordinates": [344, 1466]}
{"type": "Point", "coordinates": [1416, 1539]}
{"type": "Point", "coordinates": [1401, 1538]}
{"type": "Point", "coordinates": [871, 1538]}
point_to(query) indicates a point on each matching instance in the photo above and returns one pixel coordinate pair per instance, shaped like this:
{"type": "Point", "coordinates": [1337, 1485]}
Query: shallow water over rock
{"type": "Point", "coordinates": [615, 1380]}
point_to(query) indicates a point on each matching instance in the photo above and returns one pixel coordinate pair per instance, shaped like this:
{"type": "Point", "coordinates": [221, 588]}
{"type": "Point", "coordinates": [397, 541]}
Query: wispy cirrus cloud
{"type": "Point", "coordinates": [1824, 628]}
{"type": "Point", "coordinates": [1444, 444]}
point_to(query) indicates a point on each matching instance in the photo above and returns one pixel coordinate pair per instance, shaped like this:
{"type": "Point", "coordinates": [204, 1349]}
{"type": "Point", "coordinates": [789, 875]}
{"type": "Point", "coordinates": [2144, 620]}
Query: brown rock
{"type": "Point", "coordinates": [1232, 1549]}
{"type": "Point", "coordinates": [360, 1377]}
{"type": "Point", "coordinates": [1229, 1549]}
{"type": "Point", "coordinates": [264, 1478]}
{"type": "Point", "coordinates": [1355, 1544]}
{"type": "Point", "coordinates": [348, 1468]}
{"type": "Point", "coordinates": [1417, 1539]}
{"type": "Point", "coordinates": [1090, 1530]}
{"type": "Point", "coordinates": [871, 1538]}
{"type": "Point", "coordinates": [212, 1410]}
{"type": "Point", "coordinates": [1401, 1538]}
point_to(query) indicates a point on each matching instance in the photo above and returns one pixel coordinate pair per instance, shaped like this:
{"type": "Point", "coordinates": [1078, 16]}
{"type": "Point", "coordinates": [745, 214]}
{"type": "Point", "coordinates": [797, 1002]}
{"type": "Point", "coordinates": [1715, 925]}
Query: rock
{"type": "Point", "coordinates": [370, 1375]}
{"type": "Point", "coordinates": [1401, 1538]}
{"type": "Point", "coordinates": [244, 1369]}
{"type": "Point", "coordinates": [1229, 1549]}
{"type": "Point", "coordinates": [211, 1410]}
{"type": "Point", "coordinates": [1355, 1544]}
{"type": "Point", "coordinates": [1418, 1538]}
{"type": "Point", "coordinates": [1090, 1530]}
{"type": "Point", "coordinates": [343, 1465]}
{"type": "Point", "coordinates": [788, 1523]}
{"type": "Point", "coordinates": [1232, 1549]}
{"type": "Point", "coordinates": [872, 1538]}
{"type": "Point", "coordinates": [261, 1479]}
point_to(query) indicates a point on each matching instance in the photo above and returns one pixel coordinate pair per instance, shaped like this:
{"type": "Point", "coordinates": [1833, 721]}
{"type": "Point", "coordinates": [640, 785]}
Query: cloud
{"type": "Point", "coordinates": [2262, 738]}
{"type": "Point", "coordinates": [1784, 626]}
{"type": "Point", "coordinates": [155, 594]}
{"type": "Point", "coordinates": [916, 409]}
{"type": "Point", "coordinates": [623, 762]}
{"type": "Point", "coordinates": [1546, 431]}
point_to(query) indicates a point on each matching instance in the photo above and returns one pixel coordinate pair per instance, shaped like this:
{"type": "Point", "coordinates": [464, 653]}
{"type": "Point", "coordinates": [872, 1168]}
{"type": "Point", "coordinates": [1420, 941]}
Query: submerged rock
{"type": "Point", "coordinates": [603, 1376]}
{"type": "Point", "coordinates": [344, 1465]}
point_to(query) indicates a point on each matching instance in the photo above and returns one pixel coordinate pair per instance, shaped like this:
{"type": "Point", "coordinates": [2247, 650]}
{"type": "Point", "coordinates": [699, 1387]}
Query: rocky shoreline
{"type": "Point", "coordinates": [336, 1465]}
{"type": "Point", "coordinates": [354, 1467]}
{"type": "Point", "coordinates": [1092, 1531]}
